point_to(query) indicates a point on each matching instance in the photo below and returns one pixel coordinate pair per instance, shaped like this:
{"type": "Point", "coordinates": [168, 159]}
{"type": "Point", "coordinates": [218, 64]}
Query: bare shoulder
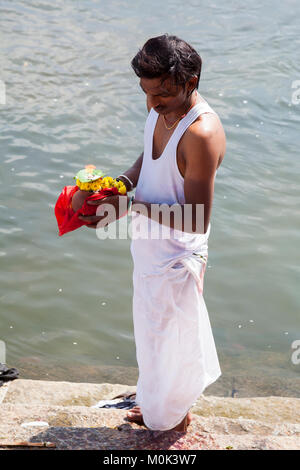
{"type": "Point", "coordinates": [206, 132]}
{"type": "Point", "coordinates": [206, 126]}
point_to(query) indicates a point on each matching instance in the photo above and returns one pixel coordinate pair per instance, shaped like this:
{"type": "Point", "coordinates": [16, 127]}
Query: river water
{"type": "Point", "coordinates": [71, 98]}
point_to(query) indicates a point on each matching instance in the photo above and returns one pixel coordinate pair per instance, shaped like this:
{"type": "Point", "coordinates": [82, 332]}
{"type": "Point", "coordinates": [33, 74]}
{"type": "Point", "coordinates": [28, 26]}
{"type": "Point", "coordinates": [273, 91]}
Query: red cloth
{"type": "Point", "coordinates": [67, 219]}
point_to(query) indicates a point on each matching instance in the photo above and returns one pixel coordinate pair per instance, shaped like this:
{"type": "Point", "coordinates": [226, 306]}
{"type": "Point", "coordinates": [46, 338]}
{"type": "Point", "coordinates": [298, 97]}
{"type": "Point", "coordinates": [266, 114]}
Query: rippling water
{"type": "Point", "coordinates": [72, 99]}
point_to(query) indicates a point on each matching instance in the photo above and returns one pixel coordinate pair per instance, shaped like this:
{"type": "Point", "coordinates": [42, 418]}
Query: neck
{"type": "Point", "coordinates": [190, 103]}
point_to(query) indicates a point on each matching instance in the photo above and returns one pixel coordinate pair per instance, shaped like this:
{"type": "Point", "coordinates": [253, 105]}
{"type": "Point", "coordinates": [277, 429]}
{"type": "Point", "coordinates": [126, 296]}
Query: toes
{"type": "Point", "coordinates": [135, 415]}
{"type": "Point", "coordinates": [135, 409]}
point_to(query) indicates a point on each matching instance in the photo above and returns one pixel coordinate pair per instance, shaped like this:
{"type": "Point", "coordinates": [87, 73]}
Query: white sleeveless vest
{"type": "Point", "coordinates": [161, 182]}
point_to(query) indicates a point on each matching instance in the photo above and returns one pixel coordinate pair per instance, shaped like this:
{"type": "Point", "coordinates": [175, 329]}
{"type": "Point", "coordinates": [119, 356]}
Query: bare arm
{"type": "Point", "coordinates": [133, 172]}
{"type": "Point", "coordinates": [199, 178]}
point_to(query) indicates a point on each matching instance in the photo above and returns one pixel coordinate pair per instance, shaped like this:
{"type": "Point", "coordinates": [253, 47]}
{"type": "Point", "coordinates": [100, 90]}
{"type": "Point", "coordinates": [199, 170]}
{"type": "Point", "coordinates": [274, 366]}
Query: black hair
{"type": "Point", "coordinates": [167, 56]}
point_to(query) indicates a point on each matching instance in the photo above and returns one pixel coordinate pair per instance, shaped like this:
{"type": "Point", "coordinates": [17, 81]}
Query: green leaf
{"type": "Point", "coordinates": [86, 176]}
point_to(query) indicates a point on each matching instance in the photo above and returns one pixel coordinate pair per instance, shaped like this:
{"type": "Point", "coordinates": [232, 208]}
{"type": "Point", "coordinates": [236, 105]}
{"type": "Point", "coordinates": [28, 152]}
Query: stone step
{"type": "Point", "coordinates": [12, 414]}
{"type": "Point", "coordinates": [249, 442]}
{"type": "Point", "coordinates": [72, 423]}
{"type": "Point", "coordinates": [271, 410]}
{"type": "Point", "coordinates": [80, 427]}
{"type": "Point", "coordinates": [60, 393]}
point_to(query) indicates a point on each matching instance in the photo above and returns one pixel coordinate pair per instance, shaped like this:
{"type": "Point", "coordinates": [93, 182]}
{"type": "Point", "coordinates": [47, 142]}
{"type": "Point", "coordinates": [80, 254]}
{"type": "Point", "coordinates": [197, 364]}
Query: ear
{"type": "Point", "coordinates": [191, 84]}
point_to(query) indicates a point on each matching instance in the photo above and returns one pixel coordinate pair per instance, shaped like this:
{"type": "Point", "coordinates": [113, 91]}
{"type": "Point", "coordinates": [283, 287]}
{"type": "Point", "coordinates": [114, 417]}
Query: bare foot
{"type": "Point", "coordinates": [136, 416]}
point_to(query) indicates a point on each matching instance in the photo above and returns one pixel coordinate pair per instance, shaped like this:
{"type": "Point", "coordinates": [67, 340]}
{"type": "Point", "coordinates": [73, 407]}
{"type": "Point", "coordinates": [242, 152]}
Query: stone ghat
{"type": "Point", "coordinates": [70, 422]}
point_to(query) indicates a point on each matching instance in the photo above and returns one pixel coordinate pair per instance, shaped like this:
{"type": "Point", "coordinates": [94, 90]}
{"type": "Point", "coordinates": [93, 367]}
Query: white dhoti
{"type": "Point", "coordinates": [175, 348]}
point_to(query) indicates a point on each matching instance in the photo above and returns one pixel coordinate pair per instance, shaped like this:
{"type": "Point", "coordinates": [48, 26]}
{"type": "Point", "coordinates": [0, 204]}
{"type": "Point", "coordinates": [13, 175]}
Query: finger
{"type": "Point", "coordinates": [96, 202]}
{"type": "Point", "coordinates": [90, 218]}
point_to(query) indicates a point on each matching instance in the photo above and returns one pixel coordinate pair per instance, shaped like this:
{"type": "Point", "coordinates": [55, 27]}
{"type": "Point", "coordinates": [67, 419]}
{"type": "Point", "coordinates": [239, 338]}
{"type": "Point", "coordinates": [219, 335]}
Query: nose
{"type": "Point", "coordinates": [153, 101]}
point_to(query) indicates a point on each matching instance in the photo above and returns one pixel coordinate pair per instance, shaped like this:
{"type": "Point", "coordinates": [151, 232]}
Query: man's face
{"type": "Point", "coordinates": [163, 95]}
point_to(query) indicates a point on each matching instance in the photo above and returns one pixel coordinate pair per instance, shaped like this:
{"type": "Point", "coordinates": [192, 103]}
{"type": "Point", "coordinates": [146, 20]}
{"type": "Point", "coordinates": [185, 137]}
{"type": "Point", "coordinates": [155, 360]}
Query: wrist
{"type": "Point", "coordinates": [127, 181]}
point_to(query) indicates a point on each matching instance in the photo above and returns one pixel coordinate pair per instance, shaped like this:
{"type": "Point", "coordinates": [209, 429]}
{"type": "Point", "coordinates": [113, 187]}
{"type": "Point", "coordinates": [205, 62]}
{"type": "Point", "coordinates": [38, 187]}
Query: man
{"type": "Point", "coordinates": [184, 146]}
